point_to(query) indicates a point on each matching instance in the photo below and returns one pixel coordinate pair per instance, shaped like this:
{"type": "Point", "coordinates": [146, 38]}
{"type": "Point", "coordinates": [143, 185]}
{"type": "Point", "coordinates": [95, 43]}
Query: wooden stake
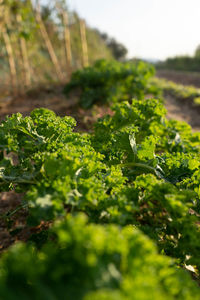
{"type": "Point", "coordinates": [67, 43]}
{"type": "Point", "coordinates": [67, 37]}
{"type": "Point", "coordinates": [48, 43]}
{"type": "Point", "coordinates": [4, 19]}
{"type": "Point", "coordinates": [26, 66]}
{"type": "Point", "coordinates": [84, 43]}
{"type": "Point", "coordinates": [11, 60]}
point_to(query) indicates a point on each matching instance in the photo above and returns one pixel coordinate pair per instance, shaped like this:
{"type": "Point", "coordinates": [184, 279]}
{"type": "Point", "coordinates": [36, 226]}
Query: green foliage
{"type": "Point", "coordinates": [197, 52]}
{"type": "Point", "coordinates": [181, 63]}
{"type": "Point", "coordinates": [87, 261]}
{"type": "Point", "coordinates": [179, 91]}
{"type": "Point", "coordinates": [97, 49]}
{"type": "Point", "coordinates": [19, 18]}
{"type": "Point", "coordinates": [55, 165]}
{"type": "Point", "coordinates": [11, 10]}
{"type": "Point", "coordinates": [111, 81]}
{"type": "Point", "coordinates": [118, 50]}
{"type": "Point", "coordinates": [136, 177]}
{"type": "Point", "coordinates": [141, 141]}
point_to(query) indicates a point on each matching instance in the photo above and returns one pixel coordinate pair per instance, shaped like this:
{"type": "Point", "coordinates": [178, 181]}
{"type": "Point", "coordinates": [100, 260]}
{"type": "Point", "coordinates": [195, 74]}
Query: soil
{"type": "Point", "coordinates": [182, 111]}
{"type": "Point", "coordinates": [14, 229]}
{"type": "Point", "coordinates": [52, 98]}
{"type": "Point", "coordinates": [185, 78]}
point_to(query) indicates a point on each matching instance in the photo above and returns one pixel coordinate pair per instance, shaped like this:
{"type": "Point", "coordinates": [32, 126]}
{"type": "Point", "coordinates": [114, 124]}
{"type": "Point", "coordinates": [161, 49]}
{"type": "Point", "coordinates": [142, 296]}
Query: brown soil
{"type": "Point", "coordinates": [185, 78]}
{"type": "Point", "coordinates": [13, 228]}
{"type": "Point", "coordinates": [182, 111]}
{"type": "Point", "coordinates": [179, 109]}
{"type": "Point", "coordinates": [54, 99]}
{"type": "Point", "coordinates": [8, 202]}
{"type": "Point", "coordinates": [51, 98]}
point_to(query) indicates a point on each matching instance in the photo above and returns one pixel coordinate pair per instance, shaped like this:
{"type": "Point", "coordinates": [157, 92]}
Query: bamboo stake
{"type": "Point", "coordinates": [67, 37]}
{"type": "Point", "coordinates": [67, 43]}
{"type": "Point", "coordinates": [84, 43]}
{"type": "Point", "coordinates": [11, 60]}
{"type": "Point", "coordinates": [48, 43]}
{"type": "Point", "coordinates": [26, 66]}
{"type": "Point", "coordinates": [3, 30]}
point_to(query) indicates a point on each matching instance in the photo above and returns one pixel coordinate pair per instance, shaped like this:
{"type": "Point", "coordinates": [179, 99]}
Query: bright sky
{"type": "Point", "coordinates": [153, 29]}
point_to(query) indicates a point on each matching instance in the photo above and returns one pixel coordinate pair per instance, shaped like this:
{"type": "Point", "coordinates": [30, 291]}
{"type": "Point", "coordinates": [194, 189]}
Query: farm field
{"type": "Point", "coordinates": [116, 198]}
{"type": "Point", "coordinates": [180, 77]}
{"type": "Point", "coordinates": [53, 98]}
{"type": "Point", "coordinates": [99, 160]}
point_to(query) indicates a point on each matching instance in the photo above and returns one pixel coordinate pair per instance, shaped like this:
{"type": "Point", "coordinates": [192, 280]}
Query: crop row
{"type": "Point", "coordinates": [123, 201]}
{"type": "Point", "coordinates": [190, 94]}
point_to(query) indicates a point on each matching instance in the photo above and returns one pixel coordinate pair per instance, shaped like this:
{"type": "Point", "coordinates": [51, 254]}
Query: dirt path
{"type": "Point", "coordinates": [181, 111]}
{"type": "Point", "coordinates": [185, 78]}
{"type": "Point", "coordinates": [54, 99]}
{"type": "Point", "coordinates": [51, 97]}
{"type": "Point", "coordinates": [178, 109]}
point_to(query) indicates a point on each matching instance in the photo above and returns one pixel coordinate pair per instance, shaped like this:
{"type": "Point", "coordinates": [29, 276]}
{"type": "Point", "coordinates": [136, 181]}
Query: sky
{"type": "Point", "coordinates": [152, 29]}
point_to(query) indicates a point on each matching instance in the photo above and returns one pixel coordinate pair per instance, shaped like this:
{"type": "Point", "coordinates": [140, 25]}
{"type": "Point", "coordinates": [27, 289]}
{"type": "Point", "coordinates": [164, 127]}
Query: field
{"type": "Point", "coordinates": [179, 106]}
{"type": "Point", "coordinates": [109, 202]}
{"type": "Point", "coordinates": [180, 77]}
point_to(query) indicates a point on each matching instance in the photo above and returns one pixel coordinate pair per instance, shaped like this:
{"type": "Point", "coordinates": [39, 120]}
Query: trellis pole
{"type": "Point", "coordinates": [11, 60]}
{"type": "Point", "coordinates": [48, 43]}
{"type": "Point", "coordinates": [26, 65]}
{"type": "Point", "coordinates": [67, 43]}
{"type": "Point", "coordinates": [67, 37]}
{"type": "Point", "coordinates": [4, 18]}
{"type": "Point", "coordinates": [84, 43]}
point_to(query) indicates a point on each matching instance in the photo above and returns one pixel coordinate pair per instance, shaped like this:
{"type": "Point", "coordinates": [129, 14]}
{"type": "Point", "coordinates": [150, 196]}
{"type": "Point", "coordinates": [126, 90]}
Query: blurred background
{"type": "Point", "coordinates": [42, 42]}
